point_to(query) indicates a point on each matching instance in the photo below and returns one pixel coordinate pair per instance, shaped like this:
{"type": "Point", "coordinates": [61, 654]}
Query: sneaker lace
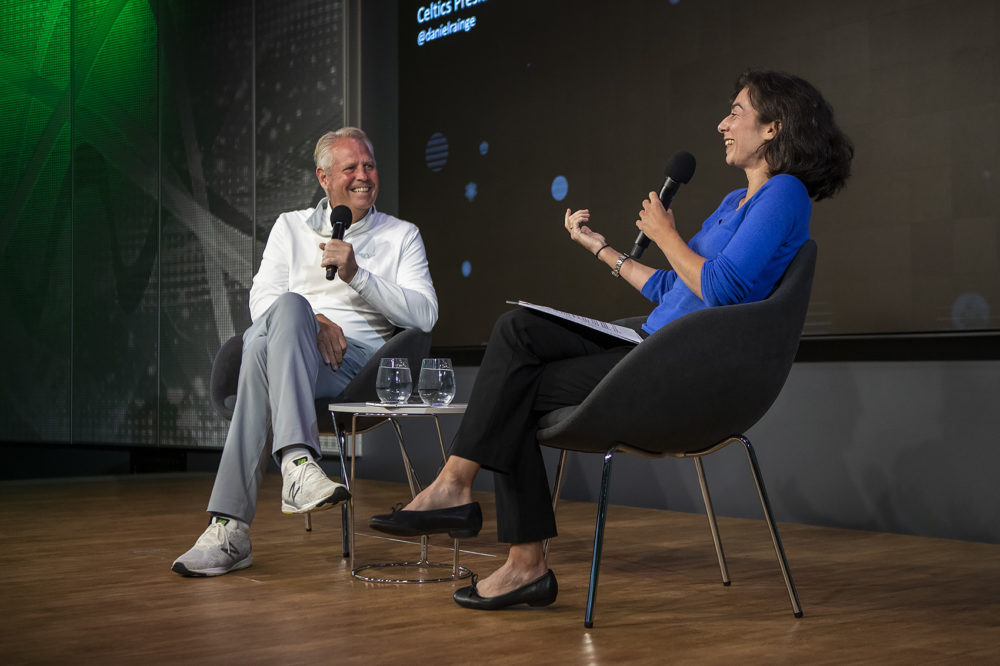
{"type": "Point", "coordinates": [216, 536]}
{"type": "Point", "coordinates": [309, 473]}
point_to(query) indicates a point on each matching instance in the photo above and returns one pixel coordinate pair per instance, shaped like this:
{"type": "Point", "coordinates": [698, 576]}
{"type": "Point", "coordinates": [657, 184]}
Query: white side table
{"type": "Point", "coordinates": [392, 413]}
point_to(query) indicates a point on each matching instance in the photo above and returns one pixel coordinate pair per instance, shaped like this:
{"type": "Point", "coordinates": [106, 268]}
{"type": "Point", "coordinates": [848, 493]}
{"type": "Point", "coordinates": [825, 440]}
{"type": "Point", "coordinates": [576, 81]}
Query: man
{"type": "Point", "coordinates": [309, 337]}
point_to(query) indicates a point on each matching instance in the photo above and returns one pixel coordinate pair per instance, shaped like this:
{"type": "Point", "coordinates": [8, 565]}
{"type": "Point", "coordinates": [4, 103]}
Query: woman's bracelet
{"type": "Point", "coordinates": [616, 271]}
{"type": "Point", "coordinates": [598, 253]}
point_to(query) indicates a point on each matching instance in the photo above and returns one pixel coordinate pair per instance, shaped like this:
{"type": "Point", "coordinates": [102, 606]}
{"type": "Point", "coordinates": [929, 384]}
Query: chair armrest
{"type": "Point", "coordinates": [225, 375]}
{"type": "Point", "coordinates": [705, 376]}
{"type": "Point", "coordinates": [410, 343]}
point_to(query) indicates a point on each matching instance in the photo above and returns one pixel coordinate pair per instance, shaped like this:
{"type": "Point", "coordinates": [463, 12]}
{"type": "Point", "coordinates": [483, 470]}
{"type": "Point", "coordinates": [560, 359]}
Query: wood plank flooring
{"type": "Point", "coordinates": [84, 578]}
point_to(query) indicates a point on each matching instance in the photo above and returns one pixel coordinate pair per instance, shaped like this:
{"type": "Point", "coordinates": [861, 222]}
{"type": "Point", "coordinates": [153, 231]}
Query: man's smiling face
{"type": "Point", "coordinates": [352, 179]}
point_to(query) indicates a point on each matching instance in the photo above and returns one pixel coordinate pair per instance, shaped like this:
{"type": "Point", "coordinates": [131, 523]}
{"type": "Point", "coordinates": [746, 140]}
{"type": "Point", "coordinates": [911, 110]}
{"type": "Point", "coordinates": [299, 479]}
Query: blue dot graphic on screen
{"type": "Point", "coordinates": [466, 268]}
{"type": "Point", "coordinates": [436, 152]}
{"type": "Point", "coordinates": [471, 190]}
{"type": "Point", "coordinates": [484, 148]}
{"type": "Point", "coordinates": [560, 187]}
{"type": "Point", "coordinates": [970, 311]}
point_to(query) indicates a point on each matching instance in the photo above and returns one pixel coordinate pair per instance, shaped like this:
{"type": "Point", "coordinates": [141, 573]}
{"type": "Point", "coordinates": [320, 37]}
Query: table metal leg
{"type": "Point", "coordinates": [457, 571]}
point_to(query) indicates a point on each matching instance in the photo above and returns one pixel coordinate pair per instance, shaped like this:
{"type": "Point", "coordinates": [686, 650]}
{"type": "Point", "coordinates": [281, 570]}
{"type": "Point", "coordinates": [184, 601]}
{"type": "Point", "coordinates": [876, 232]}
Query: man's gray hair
{"type": "Point", "coordinates": [322, 156]}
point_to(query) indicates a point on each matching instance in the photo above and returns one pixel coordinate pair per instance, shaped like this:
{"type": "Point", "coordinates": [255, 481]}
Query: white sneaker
{"type": "Point", "coordinates": [306, 488]}
{"type": "Point", "coordinates": [223, 547]}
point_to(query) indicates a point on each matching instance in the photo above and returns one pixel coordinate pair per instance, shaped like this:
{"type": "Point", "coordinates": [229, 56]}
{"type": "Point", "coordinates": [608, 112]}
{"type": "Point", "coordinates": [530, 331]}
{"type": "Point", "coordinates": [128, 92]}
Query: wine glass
{"type": "Point", "coordinates": [436, 385]}
{"type": "Point", "coordinates": [393, 384]}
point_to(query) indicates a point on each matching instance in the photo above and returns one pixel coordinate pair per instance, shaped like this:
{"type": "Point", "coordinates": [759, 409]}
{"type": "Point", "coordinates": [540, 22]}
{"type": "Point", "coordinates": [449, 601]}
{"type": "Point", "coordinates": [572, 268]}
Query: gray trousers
{"type": "Point", "coordinates": [281, 375]}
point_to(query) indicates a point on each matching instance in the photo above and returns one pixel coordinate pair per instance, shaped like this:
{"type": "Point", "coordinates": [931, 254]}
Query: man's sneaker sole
{"type": "Point", "coordinates": [341, 494]}
{"type": "Point", "coordinates": [178, 567]}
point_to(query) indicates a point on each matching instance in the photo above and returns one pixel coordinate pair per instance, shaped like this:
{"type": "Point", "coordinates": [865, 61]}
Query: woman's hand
{"type": "Point", "coordinates": [658, 225]}
{"type": "Point", "coordinates": [654, 221]}
{"type": "Point", "coordinates": [632, 271]}
{"type": "Point", "coordinates": [576, 225]}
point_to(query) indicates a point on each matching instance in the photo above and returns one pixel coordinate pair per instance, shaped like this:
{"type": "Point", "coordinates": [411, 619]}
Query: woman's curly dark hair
{"type": "Point", "coordinates": [808, 144]}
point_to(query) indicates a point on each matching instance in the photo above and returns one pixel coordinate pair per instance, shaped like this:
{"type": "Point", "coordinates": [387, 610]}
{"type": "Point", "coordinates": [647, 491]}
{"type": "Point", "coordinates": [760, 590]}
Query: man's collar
{"type": "Point", "coordinates": [319, 221]}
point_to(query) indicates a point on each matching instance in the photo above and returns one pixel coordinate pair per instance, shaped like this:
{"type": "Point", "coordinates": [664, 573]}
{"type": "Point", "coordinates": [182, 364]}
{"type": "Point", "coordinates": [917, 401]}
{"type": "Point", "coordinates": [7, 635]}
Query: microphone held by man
{"type": "Point", "coordinates": [340, 220]}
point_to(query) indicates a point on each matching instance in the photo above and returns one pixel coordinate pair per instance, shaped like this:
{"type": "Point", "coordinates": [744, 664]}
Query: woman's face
{"type": "Point", "coordinates": [744, 134]}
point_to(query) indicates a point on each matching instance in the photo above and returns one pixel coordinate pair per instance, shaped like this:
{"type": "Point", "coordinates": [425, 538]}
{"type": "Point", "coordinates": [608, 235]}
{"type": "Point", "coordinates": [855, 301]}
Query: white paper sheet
{"type": "Point", "coordinates": [617, 331]}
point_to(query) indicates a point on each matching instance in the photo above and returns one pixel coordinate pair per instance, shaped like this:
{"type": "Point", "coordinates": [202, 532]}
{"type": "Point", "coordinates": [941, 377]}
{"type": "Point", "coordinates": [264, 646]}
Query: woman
{"type": "Point", "coordinates": [780, 132]}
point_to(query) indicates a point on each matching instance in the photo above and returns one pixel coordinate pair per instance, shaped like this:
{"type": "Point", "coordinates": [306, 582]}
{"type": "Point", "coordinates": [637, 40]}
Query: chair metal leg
{"type": "Point", "coordinates": [602, 511]}
{"type": "Point", "coordinates": [345, 531]}
{"type": "Point", "coordinates": [309, 522]}
{"type": "Point", "coordinates": [556, 491]}
{"type": "Point", "coordinates": [710, 512]}
{"type": "Point", "coordinates": [782, 561]}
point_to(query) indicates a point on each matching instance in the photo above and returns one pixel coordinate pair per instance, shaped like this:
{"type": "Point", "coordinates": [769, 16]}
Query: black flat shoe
{"type": "Point", "coordinates": [540, 592]}
{"type": "Point", "coordinates": [460, 522]}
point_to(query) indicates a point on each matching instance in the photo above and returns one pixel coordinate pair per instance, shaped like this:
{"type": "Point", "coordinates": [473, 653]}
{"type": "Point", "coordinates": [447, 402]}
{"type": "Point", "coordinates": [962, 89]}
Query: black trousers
{"type": "Point", "coordinates": [534, 363]}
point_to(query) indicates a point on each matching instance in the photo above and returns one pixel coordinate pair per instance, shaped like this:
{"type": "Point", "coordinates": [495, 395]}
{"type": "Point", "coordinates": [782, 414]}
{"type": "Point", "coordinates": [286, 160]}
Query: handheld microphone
{"type": "Point", "coordinates": [340, 218]}
{"type": "Point", "coordinates": [680, 169]}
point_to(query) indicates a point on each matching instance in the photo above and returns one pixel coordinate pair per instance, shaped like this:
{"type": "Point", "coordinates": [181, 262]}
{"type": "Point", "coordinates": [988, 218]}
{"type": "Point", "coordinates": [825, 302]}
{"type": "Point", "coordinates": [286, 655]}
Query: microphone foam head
{"type": "Point", "coordinates": [341, 213]}
{"type": "Point", "coordinates": [680, 166]}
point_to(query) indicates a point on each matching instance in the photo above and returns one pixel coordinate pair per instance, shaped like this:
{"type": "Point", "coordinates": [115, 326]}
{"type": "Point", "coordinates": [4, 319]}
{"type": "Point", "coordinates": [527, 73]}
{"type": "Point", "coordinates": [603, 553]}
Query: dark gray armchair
{"type": "Point", "coordinates": [411, 343]}
{"type": "Point", "coordinates": [690, 389]}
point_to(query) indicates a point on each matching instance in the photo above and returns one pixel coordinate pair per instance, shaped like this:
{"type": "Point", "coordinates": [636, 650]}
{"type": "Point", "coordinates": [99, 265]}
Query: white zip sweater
{"type": "Point", "coordinates": [392, 287]}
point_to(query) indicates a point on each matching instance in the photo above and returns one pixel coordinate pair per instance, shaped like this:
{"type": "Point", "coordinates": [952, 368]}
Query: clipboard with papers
{"type": "Point", "coordinates": [615, 330]}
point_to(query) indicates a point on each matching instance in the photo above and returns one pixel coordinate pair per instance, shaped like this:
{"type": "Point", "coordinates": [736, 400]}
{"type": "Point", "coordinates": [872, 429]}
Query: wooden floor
{"type": "Point", "coordinates": [85, 577]}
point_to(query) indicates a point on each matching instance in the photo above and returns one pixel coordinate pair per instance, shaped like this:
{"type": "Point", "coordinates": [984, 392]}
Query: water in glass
{"type": "Point", "coordinates": [436, 385]}
{"type": "Point", "coordinates": [393, 384]}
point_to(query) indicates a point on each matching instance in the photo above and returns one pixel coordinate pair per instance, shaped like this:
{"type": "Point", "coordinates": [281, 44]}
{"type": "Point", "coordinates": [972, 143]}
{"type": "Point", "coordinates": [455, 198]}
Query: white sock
{"type": "Point", "coordinates": [290, 454]}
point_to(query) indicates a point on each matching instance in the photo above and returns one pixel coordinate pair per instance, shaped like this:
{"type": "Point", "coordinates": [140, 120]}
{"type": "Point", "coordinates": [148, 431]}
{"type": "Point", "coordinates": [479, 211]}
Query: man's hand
{"type": "Point", "coordinates": [340, 254]}
{"type": "Point", "coordinates": [331, 342]}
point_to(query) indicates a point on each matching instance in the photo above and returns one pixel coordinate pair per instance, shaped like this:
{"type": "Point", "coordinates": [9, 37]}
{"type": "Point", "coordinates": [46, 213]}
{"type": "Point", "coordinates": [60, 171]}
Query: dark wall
{"type": "Point", "coordinates": [380, 94]}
